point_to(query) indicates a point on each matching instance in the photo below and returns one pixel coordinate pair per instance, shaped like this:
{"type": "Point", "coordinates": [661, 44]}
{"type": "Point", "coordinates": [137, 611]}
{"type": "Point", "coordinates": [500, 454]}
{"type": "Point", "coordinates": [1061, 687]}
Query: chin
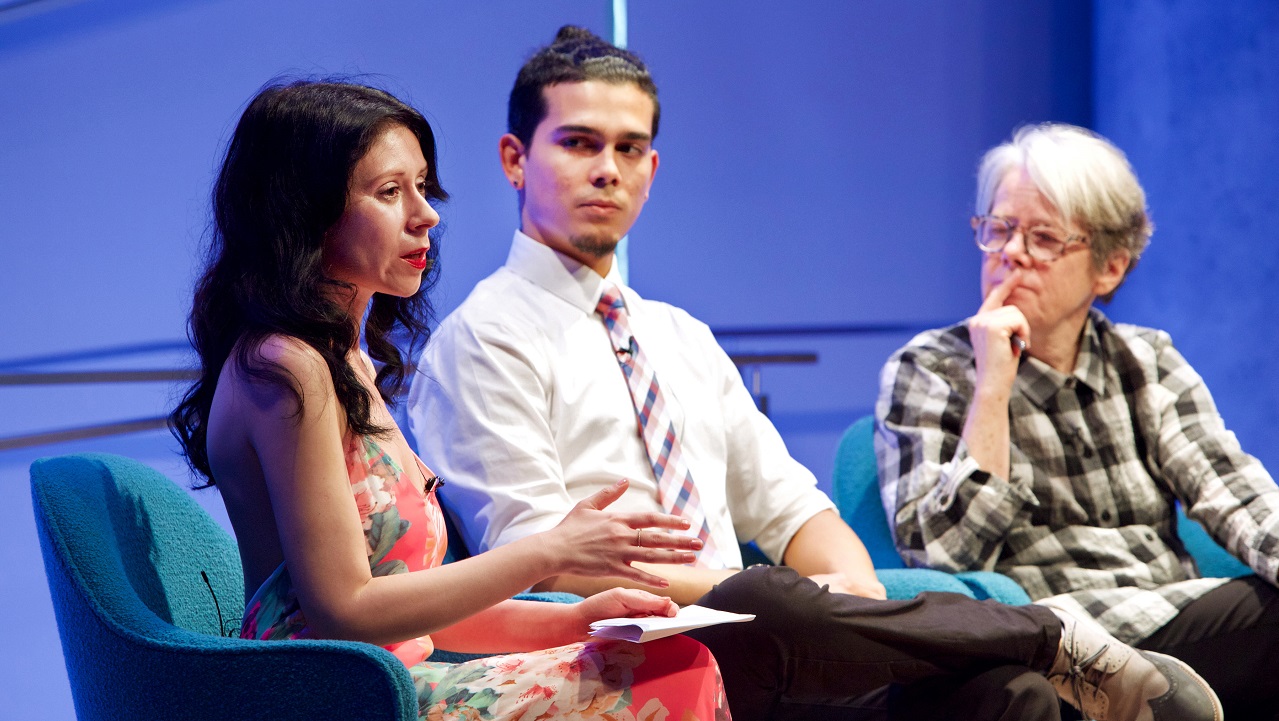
{"type": "Point", "coordinates": [595, 245]}
{"type": "Point", "coordinates": [403, 290]}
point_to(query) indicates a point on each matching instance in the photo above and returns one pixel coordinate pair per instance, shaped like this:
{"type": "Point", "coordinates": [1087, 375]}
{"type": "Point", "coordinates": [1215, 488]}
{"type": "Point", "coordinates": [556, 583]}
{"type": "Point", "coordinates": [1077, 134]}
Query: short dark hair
{"type": "Point", "coordinates": [282, 186]}
{"type": "Point", "coordinates": [575, 56]}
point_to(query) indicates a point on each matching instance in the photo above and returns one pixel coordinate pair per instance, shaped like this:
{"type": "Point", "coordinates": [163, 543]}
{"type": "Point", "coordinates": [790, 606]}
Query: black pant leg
{"type": "Point", "coordinates": [1230, 636]}
{"type": "Point", "coordinates": [1003, 693]}
{"type": "Point", "coordinates": [812, 647]}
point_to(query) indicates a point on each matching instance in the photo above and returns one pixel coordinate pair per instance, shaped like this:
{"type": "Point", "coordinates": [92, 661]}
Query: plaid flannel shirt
{"type": "Point", "coordinates": [1085, 520]}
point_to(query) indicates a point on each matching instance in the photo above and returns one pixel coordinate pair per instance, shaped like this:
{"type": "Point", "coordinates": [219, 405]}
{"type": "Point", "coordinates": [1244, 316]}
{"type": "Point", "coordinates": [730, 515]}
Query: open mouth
{"type": "Point", "coordinates": [417, 259]}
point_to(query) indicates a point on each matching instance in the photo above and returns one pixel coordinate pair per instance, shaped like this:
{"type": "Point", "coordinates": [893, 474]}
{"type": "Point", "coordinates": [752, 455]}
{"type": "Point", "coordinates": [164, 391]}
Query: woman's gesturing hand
{"type": "Point", "coordinates": [592, 542]}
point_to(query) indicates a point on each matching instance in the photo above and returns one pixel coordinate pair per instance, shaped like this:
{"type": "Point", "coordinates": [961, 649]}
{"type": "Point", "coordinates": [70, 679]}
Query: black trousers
{"type": "Point", "coordinates": [814, 654]}
{"type": "Point", "coordinates": [1230, 635]}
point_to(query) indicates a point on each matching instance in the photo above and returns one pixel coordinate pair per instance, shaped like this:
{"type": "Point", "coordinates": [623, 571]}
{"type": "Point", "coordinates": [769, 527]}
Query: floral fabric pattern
{"type": "Point", "coordinates": [674, 678]}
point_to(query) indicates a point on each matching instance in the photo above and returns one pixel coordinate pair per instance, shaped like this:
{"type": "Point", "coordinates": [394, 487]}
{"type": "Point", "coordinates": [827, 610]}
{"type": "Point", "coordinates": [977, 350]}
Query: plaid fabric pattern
{"type": "Point", "coordinates": [675, 487]}
{"type": "Point", "coordinates": [1085, 520]}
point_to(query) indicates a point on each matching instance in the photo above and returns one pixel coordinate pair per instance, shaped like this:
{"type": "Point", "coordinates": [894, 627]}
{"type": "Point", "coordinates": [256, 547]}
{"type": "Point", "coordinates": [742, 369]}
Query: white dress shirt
{"type": "Point", "coordinates": [519, 404]}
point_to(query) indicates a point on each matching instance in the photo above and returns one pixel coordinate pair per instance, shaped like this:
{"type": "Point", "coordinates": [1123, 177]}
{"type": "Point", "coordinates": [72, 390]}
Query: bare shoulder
{"type": "Point", "coordinates": [284, 370]}
{"type": "Point", "coordinates": [292, 354]}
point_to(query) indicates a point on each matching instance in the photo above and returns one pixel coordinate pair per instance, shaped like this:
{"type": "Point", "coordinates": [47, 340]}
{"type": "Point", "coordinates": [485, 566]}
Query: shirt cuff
{"type": "Point", "coordinates": [966, 469]}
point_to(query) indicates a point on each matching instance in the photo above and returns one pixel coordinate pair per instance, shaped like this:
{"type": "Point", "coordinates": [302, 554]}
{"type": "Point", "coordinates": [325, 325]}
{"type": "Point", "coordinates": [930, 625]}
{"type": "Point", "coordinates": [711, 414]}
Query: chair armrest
{"type": "Point", "coordinates": [196, 676]}
{"type": "Point", "coordinates": [905, 583]}
{"type": "Point", "coordinates": [549, 597]}
{"type": "Point", "coordinates": [995, 586]}
{"type": "Point", "coordinates": [312, 679]}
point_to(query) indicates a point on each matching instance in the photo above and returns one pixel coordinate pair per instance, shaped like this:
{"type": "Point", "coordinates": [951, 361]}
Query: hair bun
{"type": "Point", "coordinates": [570, 33]}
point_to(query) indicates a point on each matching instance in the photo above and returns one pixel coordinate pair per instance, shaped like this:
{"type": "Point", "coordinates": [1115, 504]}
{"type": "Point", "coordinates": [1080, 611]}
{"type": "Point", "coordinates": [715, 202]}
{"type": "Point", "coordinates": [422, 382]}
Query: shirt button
{"type": "Point", "coordinates": [1105, 516]}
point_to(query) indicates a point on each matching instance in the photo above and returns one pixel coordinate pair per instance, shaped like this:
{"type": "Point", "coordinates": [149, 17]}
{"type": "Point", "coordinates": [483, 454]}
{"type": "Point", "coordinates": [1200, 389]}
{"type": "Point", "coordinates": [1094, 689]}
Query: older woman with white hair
{"type": "Point", "coordinates": [1039, 439]}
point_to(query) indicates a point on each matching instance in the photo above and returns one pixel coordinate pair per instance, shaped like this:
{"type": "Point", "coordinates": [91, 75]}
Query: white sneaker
{"type": "Point", "coordinates": [1108, 680]}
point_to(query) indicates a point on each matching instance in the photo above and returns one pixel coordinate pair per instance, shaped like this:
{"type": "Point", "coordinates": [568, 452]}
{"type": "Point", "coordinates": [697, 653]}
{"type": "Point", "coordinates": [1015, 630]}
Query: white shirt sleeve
{"type": "Point", "coordinates": [483, 389]}
{"type": "Point", "coordinates": [770, 494]}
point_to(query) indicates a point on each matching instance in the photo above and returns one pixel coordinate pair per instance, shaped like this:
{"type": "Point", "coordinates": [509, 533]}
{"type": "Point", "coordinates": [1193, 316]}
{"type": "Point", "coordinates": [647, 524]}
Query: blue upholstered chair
{"type": "Point", "coordinates": [126, 552]}
{"type": "Point", "coordinates": [855, 487]}
{"type": "Point", "coordinates": [856, 492]}
{"type": "Point", "coordinates": [1213, 560]}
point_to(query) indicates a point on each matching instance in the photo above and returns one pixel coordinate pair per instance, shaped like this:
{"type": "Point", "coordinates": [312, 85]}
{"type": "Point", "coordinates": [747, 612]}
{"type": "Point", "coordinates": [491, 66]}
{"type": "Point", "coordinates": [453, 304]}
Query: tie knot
{"type": "Point", "coordinates": [610, 301]}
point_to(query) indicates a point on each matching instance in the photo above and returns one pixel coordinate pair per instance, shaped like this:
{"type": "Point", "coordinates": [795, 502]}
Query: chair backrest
{"type": "Point", "coordinates": [136, 543]}
{"type": "Point", "coordinates": [856, 490]}
{"type": "Point", "coordinates": [855, 487]}
{"type": "Point", "coordinates": [123, 550]}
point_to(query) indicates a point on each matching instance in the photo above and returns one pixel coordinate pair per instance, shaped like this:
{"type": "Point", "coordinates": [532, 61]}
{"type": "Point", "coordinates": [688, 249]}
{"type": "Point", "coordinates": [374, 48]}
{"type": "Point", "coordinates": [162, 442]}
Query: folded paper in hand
{"type": "Point", "coordinates": [649, 628]}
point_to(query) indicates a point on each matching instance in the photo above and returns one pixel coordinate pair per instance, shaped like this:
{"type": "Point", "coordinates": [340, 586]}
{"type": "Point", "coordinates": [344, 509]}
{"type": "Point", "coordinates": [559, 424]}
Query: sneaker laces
{"type": "Point", "coordinates": [1079, 672]}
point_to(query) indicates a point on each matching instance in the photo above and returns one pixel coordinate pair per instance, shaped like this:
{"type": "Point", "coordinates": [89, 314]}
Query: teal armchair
{"type": "Point", "coordinates": [1213, 560]}
{"type": "Point", "coordinates": [855, 487]}
{"type": "Point", "coordinates": [126, 552]}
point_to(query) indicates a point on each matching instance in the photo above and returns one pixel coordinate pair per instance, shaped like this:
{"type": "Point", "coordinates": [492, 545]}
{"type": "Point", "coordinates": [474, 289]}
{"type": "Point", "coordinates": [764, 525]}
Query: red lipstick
{"type": "Point", "coordinates": [417, 259]}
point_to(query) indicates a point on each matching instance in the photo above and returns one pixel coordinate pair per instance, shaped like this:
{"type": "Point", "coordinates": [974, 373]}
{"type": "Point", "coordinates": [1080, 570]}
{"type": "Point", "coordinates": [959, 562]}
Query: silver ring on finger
{"type": "Point", "coordinates": [638, 541]}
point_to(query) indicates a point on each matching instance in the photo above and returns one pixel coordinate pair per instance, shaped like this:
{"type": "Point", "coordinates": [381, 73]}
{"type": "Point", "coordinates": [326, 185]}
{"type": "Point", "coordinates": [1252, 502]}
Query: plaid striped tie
{"type": "Point", "coordinates": [675, 488]}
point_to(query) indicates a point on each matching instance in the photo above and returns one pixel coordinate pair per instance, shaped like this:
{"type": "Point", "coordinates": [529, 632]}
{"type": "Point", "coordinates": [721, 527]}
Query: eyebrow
{"type": "Point", "coordinates": [391, 174]}
{"type": "Point", "coordinates": [587, 130]}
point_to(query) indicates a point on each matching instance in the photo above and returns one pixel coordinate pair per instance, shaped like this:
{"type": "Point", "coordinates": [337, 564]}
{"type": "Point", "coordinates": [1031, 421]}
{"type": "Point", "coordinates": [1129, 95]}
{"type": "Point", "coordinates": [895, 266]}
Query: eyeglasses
{"type": "Point", "coordinates": [1043, 243]}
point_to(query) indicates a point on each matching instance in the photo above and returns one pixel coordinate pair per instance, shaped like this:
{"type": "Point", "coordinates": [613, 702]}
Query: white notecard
{"type": "Point", "coordinates": [649, 628]}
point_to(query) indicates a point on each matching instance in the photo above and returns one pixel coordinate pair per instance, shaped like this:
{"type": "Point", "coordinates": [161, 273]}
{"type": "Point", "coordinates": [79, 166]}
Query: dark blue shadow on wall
{"type": "Point", "coordinates": [95, 354]}
{"type": "Point", "coordinates": [37, 22]}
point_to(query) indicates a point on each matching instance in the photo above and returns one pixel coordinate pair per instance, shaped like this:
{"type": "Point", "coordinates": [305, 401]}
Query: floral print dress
{"type": "Point", "coordinates": [674, 678]}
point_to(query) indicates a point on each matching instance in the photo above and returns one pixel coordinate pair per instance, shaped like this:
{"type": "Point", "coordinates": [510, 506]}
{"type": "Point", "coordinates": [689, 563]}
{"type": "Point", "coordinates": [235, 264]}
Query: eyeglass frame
{"type": "Point", "coordinates": [1014, 226]}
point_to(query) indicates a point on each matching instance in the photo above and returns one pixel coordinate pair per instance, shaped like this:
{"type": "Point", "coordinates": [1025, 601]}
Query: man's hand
{"type": "Point", "coordinates": [850, 584]}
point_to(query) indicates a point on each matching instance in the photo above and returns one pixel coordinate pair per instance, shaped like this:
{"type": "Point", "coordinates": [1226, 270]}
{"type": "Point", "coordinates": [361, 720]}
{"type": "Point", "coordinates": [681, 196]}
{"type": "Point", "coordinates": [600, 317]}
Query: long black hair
{"type": "Point", "coordinates": [282, 185]}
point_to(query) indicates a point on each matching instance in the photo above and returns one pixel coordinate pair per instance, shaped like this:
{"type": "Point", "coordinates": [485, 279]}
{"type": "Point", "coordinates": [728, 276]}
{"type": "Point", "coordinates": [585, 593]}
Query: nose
{"type": "Point", "coordinates": [1014, 251]}
{"type": "Point", "coordinates": [604, 172]}
{"type": "Point", "coordinates": [422, 217]}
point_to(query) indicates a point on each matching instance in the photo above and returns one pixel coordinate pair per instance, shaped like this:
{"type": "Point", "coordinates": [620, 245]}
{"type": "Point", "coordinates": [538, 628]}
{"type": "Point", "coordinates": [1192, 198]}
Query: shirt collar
{"type": "Point", "coordinates": [560, 275]}
{"type": "Point", "coordinates": [1040, 381]}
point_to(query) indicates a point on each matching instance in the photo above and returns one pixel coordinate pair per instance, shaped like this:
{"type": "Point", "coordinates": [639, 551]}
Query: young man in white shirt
{"type": "Point", "coordinates": [523, 402]}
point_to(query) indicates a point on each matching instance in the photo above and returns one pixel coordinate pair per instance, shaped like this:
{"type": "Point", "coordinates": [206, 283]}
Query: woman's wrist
{"type": "Point", "coordinates": [546, 560]}
{"type": "Point", "coordinates": [566, 623]}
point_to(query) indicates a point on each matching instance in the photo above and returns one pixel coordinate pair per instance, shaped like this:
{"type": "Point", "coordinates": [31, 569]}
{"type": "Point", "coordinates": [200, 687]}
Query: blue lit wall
{"type": "Point", "coordinates": [817, 168]}
{"type": "Point", "coordinates": [1191, 92]}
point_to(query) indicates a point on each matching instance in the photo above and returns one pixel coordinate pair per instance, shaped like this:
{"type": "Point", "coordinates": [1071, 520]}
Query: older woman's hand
{"type": "Point", "coordinates": [991, 332]}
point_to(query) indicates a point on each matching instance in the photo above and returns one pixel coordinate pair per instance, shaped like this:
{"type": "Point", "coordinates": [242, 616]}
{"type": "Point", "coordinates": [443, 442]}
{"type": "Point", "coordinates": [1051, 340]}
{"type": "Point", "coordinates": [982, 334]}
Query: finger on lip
{"type": "Point", "coordinates": [1009, 283]}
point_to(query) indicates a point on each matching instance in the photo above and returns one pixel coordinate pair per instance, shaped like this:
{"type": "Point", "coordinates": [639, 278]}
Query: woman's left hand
{"type": "Point", "coordinates": [623, 603]}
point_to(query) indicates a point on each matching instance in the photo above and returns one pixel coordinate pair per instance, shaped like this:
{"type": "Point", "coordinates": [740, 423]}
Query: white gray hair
{"type": "Point", "coordinates": [1084, 176]}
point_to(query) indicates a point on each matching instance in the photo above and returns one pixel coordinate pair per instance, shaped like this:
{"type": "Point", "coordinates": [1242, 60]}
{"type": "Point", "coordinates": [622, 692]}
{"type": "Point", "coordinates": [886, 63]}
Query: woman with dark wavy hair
{"type": "Point", "coordinates": [322, 233]}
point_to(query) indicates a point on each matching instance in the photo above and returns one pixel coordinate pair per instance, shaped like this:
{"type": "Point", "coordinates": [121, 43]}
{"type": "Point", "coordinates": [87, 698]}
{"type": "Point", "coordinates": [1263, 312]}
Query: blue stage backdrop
{"type": "Point", "coordinates": [817, 171]}
{"type": "Point", "coordinates": [1191, 92]}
